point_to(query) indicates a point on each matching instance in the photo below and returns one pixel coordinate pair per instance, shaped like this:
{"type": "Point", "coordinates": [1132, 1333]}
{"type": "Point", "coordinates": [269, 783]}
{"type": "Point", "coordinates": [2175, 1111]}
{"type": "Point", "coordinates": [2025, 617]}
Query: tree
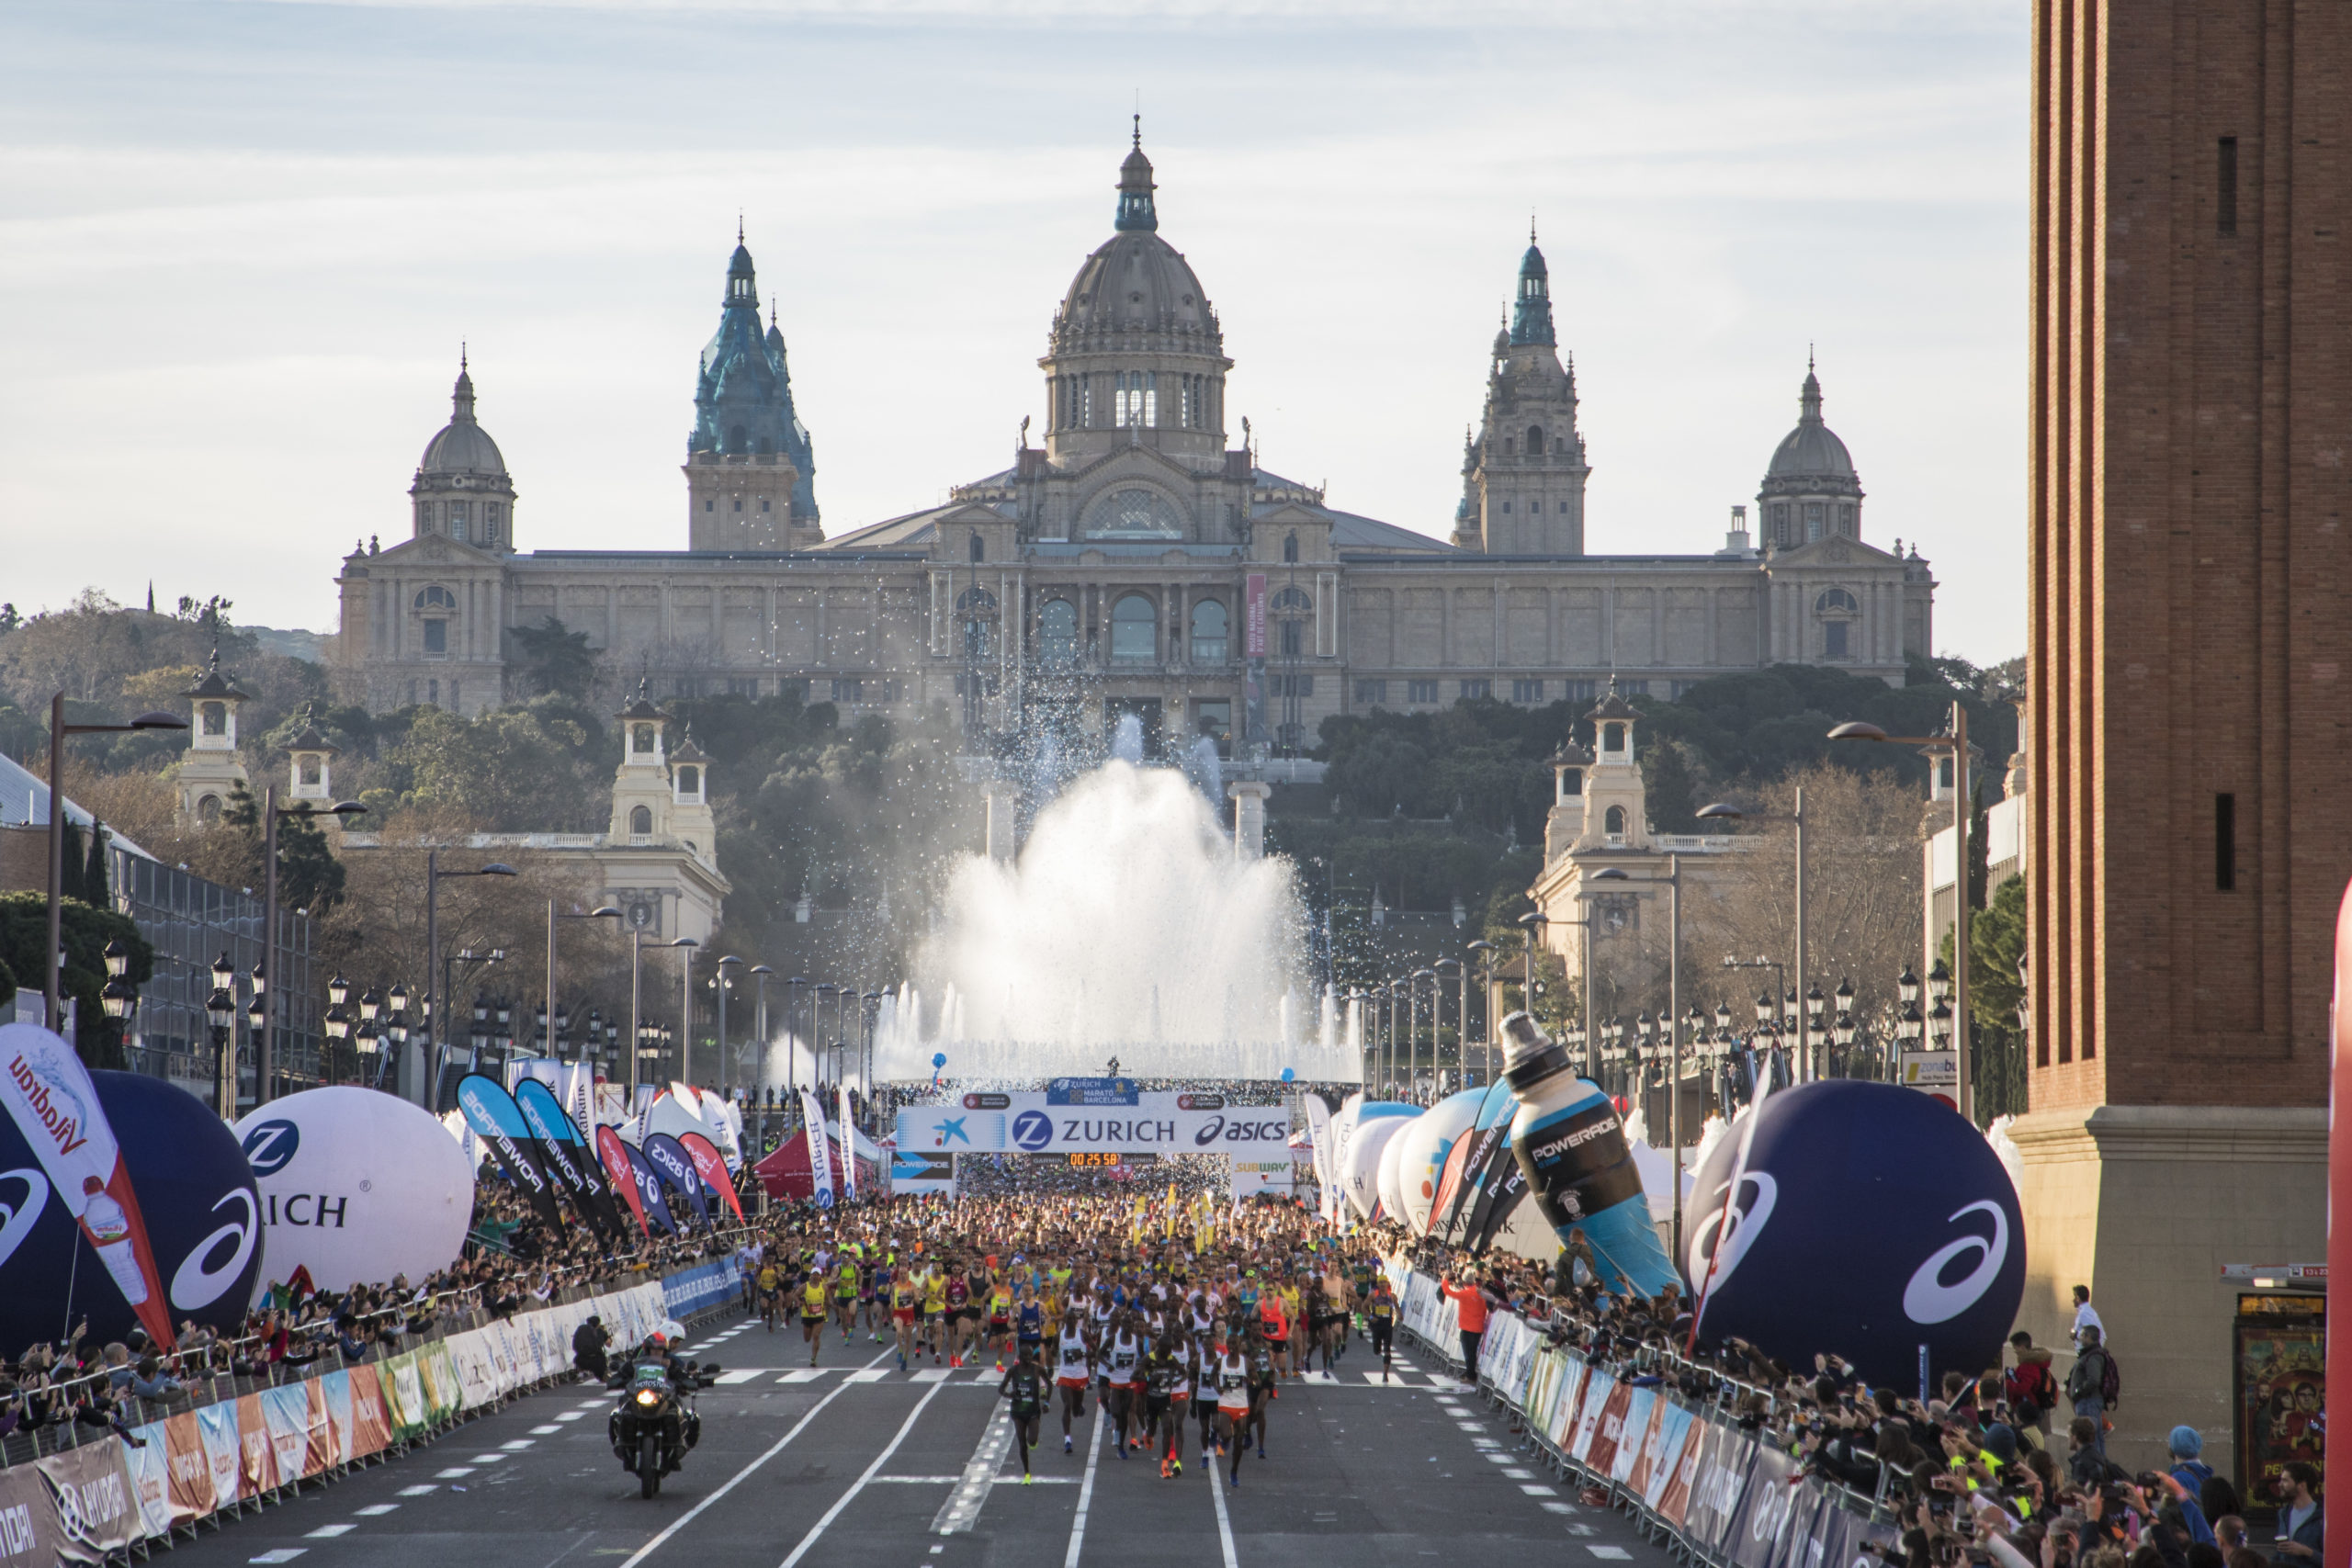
{"type": "Point", "coordinates": [97, 888]}
{"type": "Point", "coordinates": [72, 864]}
{"type": "Point", "coordinates": [85, 933]}
{"type": "Point", "coordinates": [1996, 935]}
{"type": "Point", "coordinates": [556, 662]}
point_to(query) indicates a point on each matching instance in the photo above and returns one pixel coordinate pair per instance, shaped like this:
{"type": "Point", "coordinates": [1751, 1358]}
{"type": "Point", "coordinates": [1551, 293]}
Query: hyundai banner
{"type": "Point", "coordinates": [1158, 1123]}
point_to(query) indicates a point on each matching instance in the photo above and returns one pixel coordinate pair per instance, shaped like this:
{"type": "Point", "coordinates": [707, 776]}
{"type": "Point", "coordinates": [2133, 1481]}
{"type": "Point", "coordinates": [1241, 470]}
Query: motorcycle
{"type": "Point", "coordinates": [655, 1422]}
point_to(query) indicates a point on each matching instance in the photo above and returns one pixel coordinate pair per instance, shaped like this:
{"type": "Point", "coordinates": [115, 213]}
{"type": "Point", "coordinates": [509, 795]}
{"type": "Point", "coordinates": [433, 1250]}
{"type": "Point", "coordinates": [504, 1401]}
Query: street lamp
{"type": "Point", "coordinates": [686, 946]}
{"type": "Point", "coordinates": [396, 1002]}
{"type": "Point", "coordinates": [725, 982]}
{"type": "Point", "coordinates": [220, 1014]}
{"type": "Point", "coordinates": [58, 731]}
{"type": "Point", "coordinates": [1535, 921]}
{"type": "Point", "coordinates": [1673, 880]}
{"type": "Point", "coordinates": [601, 912]}
{"type": "Point", "coordinates": [1954, 744]}
{"type": "Point", "coordinates": [760, 973]}
{"type": "Point", "coordinates": [1485, 952]}
{"type": "Point", "coordinates": [1722, 811]}
{"type": "Point", "coordinates": [428, 1091]}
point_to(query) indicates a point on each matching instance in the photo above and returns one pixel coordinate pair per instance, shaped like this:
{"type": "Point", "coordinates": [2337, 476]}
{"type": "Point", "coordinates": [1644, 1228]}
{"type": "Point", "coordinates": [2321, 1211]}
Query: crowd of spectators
{"type": "Point", "coordinates": [1993, 1471]}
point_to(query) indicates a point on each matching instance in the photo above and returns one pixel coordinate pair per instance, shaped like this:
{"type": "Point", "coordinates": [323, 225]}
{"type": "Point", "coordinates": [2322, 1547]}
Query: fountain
{"type": "Point", "coordinates": [1126, 926]}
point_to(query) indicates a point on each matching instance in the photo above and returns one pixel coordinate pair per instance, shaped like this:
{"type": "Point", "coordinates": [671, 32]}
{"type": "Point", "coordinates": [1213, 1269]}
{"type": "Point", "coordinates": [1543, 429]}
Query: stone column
{"type": "Point", "coordinates": [1248, 818]}
{"type": "Point", "coordinates": [1004, 800]}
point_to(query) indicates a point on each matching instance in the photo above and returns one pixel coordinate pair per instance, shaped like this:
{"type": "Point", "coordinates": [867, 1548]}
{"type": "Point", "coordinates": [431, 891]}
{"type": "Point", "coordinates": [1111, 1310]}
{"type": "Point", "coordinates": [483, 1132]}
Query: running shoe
{"type": "Point", "coordinates": [955, 1360]}
{"type": "Point", "coordinates": [1233, 1479]}
{"type": "Point", "coordinates": [1027, 1478]}
{"type": "Point", "coordinates": [1163, 1470]}
{"type": "Point", "coordinates": [1066, 1447]}
{"type": "Point", "coordinates": [1177, 1465]}
{"type": "Point", "coordinates": [1122, 1453]}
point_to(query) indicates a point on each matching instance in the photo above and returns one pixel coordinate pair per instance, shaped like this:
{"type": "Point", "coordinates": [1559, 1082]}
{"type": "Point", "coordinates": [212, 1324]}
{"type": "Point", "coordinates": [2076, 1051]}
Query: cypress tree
{"type": "Point", "coordinates": [97, 885]}
{"type": "Point", "coordinates": [73, 864]}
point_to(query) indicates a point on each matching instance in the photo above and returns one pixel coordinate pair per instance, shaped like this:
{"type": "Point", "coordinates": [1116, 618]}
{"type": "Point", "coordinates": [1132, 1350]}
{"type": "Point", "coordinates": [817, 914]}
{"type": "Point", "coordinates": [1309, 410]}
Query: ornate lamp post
{"type": "Point", "coordinates": [221, 1016]}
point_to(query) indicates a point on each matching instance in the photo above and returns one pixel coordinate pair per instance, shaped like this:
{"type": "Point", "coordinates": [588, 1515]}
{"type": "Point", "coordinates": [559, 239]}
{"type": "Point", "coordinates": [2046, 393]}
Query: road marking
{"type": "Point", "coordinates": [735, 1480]}
{"type": "Point", "coordinates": [544, 1431]}
{"type": "Point", "coordinates": [1614, 1553]}
{"type": "Point", "coordinates": [803, 1374]}
{"type": "Point", "coordinates": [1537, 1489]}
{"type": "Point", "coordinates": [1472, 1425]}
{"type": "Point", "coordinates": [881, 1459]}
{"type": "Point", "coordinates": [1518, 1474]}
{"type": "Point", "coordinates": [930, 1374]}
{"type": "Point", "coordinates": [1223, 1523]}
{"type": "Point", "coordinates": [451, 1474]}
{"type": "Point", "coordinates": [592, 1405]}
{"type": "Point", "coordinates": [283, 1554]}
{"type": "Point", "coordinates": [517, 1445]}
{"type": "Point", "coordinates": [919, 1479]}
{"type": "Point", "coordinates": [377, 1510]}
{"type": "Point", "coordinates": [1085, 1488]}
{"type": "Point", "coordinates": [1559, 1508]}
{"type": "Point", "coordinates": [570, 1416]}
{"type": "Point", "coordinates": [727, 1380]}
{"type": "Point", "coordinates": [418, 1491]}
{"type": "Point", "coordinates": [962, 1509]}
{"type": "Point", "coordinates": [328, 1532]}
{"type": "Point", "coordinates": [868, 1374]}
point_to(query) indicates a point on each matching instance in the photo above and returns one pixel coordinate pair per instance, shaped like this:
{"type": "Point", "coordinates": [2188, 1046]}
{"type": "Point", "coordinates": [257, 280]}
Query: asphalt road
{"type": "Point", "coordinates": [863, 1464]}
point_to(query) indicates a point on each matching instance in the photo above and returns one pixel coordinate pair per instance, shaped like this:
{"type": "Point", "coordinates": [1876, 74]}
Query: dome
{"type": "Point", "coordinates": [462, 447]}
{"type": "Point", "coordinates": [1811, 451]}
{"type": "Point", "coordinates": [1136, 282]}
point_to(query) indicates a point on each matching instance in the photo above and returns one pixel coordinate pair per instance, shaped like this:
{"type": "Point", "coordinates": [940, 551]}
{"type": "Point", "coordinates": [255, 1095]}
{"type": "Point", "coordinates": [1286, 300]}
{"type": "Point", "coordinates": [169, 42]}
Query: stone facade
{"type": "Point", "coordinates": [1139, 559]}
{"type": "Point", "coordinates": [2188, 564]}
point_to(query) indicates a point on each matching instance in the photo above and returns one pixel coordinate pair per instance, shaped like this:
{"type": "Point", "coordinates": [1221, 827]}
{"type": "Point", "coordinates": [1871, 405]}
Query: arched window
{"type": "Point", "coordinates": [976, 609]}
{"type": "Point", "coordinates": [1535, 440]}
{"type": "Point", "coordinates": [208, 810]}
{"type": "Point", "coordinates": [738, 438]}
{"type": "Point", "coordinates": [1134, 634]}
{"type": "Point", "coordinates": [1836, 600]}
{"type": "Point", "coordinates": [1209, 624]}
{"type": "Point", "coordinates": [1057, 632]}
{"type": "Point", "coordinates": [1508, 447]}
{"type": "Point", "coordinates": [216, 719]}
{"type": "Point", "coordinates": [1294, 602]}
{"type": "Point", "coordinates": [1290, 547]}
{"type": "Point", "coordinates": [1613, 823]}
{"type": "Point", "coordinates": [640, 820]}
{"type": "Point", "coordinates": [980, 547]}
{"type": "Point", "coordinates": [436, 598]}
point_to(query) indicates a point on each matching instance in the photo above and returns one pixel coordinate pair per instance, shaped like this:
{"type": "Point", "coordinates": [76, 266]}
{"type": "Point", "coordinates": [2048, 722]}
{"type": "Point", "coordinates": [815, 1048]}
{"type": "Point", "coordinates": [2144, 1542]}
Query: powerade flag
{"type": "Point", "coordinates": [1508, 1189]}
{"type": "Point", "coordinates": [649, 1190]}
{"type": "Point", "coordinates": [50, 1097]}
{"type": "Point", "coordinates": [669, 1160]}
{"type": "Point", "coordinates": [491, 1112]}
{"type": "Point", "coordinates": [568, 1156]}
{"type": "Point", "coordinates": [1466, 1163]}
{"type": "Point", "coordinates": [1569, 1141]}
{"type": "Point", "coordinates": [712, 1169]}
{"type": "Point", "coordinates": [615, 1154]}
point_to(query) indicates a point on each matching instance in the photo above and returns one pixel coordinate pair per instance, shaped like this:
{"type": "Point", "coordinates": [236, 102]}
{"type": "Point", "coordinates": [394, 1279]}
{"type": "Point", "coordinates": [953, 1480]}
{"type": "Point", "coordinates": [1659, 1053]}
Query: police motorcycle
{"type": "Point", "coordinates": [655, 1422]}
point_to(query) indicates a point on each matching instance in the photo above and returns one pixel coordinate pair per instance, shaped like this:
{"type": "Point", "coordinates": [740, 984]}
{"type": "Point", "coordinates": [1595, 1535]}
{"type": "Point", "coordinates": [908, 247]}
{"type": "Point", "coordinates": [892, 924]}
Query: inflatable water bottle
{"type": "Point", "coordinates": [1571, 1146]}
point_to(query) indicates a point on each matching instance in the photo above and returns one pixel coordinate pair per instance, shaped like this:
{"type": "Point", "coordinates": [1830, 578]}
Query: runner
{"type": "Point", "coordinates": [956, 1295]}
{"type": "Point", "coordinates": [812, 1312]}
{"type": "Point", "coordinates": [1000, 1337]}
{"type": "Point", "coordinates": [1232, 1408]}
{"type": "Point", "coordinates": [771, 1297]}
{"type": "Point", "coordinates": [1024, 1386]}
{"type": "Point", "coordinates": [906, 1301]}
{"type": "Point", "coordinates": [1072, 1370]}
{"type": "Point", "coordinates": [935, 1321]}
{"type": "Point", "coordinates": [1122, 1363]}
{"type": "Point", "coordinates": [1380, 1314]}
{"type": "Point", "coordinates": [846, 1294]}
{"type": "Point", "coordinates": [873, 1286]}
{"type": "Point", "coordinates": [1029, 1321]}
{"type": "Point", "coordinates": [1264, 1368]}
{"type": "Point", "coordinates": [1163, 1376]}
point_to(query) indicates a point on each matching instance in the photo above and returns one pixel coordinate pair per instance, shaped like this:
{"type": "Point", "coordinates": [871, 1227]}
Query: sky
{"type": "Point", "coordinates": [241, 245]}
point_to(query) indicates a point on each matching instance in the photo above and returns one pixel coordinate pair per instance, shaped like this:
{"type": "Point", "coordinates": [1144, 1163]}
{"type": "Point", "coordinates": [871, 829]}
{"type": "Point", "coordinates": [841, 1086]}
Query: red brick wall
{"type": "Point", "coordinates": [2190, 497]}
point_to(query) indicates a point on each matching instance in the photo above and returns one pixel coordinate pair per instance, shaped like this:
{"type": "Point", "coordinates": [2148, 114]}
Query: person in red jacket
{"type": "Point", "coordinates": [1470, 1315]}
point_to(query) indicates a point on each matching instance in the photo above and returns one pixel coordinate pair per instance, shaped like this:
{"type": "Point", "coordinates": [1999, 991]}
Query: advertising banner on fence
{"type": "Point", "coordinates": [1158, 1123]}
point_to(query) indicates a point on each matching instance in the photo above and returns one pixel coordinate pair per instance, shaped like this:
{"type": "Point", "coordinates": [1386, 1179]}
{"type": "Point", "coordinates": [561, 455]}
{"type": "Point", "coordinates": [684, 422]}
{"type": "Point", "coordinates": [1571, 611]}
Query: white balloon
{"type": "Point", "coordinates": [1421, 1151]}
{"type": "Point", "coordinates": [670, 1116]}
{"type": "Point", "coordinates": [356, 1186]}
{"type": "Point", "coordinates": [1375, 1125]}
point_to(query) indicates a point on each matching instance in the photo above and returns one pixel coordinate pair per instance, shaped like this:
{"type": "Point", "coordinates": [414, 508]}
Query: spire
{"type": "Point", "coordinates": [1809, 395]}
{"type": "Point", "coordinates": [461, 396]}
{"type": "Point", "coordinates": [1532, 312]}
{"type": "Point", "coordinates": [1136, 210]}
{"type": "Point", "coordinates": [742, 282]}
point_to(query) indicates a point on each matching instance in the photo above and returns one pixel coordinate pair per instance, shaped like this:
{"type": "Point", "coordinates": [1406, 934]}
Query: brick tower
{"type": "Point", "coordinates": [2192, 668]}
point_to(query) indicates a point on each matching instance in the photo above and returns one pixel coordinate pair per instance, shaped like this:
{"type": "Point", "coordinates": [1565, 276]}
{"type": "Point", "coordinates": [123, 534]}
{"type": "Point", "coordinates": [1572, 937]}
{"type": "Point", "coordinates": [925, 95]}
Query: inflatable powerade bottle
{"type": "Point", "coordinates": [1571, 1146]}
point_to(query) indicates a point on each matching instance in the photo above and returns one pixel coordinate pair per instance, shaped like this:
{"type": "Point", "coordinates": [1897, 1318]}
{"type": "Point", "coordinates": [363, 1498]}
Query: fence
{"type": "Point", "coordinates": [108, 1499]}
{"type": "Point", "coordinates": [1696, 1481]}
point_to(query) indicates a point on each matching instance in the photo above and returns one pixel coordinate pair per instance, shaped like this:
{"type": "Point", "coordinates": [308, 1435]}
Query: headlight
{"type": "Point", "coordinates": [647, 1397]}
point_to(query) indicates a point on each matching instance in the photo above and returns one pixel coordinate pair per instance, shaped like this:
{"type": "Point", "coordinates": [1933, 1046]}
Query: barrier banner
{"type": "Point", "coordinates": [1665, 1456]}
{"type": "Point", "coordinates": [712, 1168]}
{"type": "Point", "coordinates": [150, 1470]}
{"type": "Point", "coordinates": [49, 1096]}
{"type": "Point", "coordinates": [1752, 1535]}
{"type": "Point", "coordinates": [334, 1393]}
{"type": "Point", "coordinates": [676, 1169]}
{"type": "Point", "coordinates": [93, 1510]}
{"type": "Point", "coordinates": [216, 1424]}
{"type": "Point", "coordinates": [1721, 1487]}
{"type": "Point", "coordinates": [1633, 1432]}
{"type": "Point", "coordinates": [285, 1416]}
{"type": "Point", "coordinates": [491, 1112]}
{"type": "Point", "coordinates": [189, 1466]}
{"type": "Point", "coordinates": [1673, 1505]}
{"type": "Point", "coordinates": [371, 1424]}
{"type": "Point", "coordinates": [698, 1290]}
{"type": "Point", "coordinates": [568, 1156]}
{"type": "Point", "coordinates": [443, 1391]}
{"type": "Point", "coordinates": [321, 1452]}
{"type": "Point", "coordinates": [257, 1459]}
{"type": "Point", "coordinates": [403, 1394]}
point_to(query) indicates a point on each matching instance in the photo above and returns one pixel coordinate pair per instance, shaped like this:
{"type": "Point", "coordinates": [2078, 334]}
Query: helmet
{"type": "Point", "coordinates": [658, 1340]}
{"type": "Point", "coordinates": [671, 1329]}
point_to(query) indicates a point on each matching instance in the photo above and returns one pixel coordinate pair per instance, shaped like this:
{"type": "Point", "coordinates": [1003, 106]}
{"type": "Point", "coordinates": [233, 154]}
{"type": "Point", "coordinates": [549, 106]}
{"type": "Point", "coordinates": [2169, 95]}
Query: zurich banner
{"type": "Point", "coordinates": [1156, 1122]}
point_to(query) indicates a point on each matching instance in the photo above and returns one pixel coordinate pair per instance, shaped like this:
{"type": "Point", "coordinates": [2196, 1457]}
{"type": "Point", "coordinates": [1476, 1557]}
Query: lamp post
{"type": "Point", "coordinates": [817, 1047]}
{"type": "Point", "coordinates": [791, 1058]}
{"type": "Point", "coordinates": [428, 1091]}
{"type": "Point", "coordinates": [602, 912]}
{"type": "Point", "coordinates": [1461, 1019]}
{"type": "Point", "coordinates": [1953, 743]}
{"type": "Point", "coordinates": [1672, 1020]}
{"type": "Point", "coordinates": [266, 978]}
{"type": "Point", "coordinates": [396, 1000]}
{"type": "Point", "coordinates": [1485, 952]}
{"type": "Point", "coordinates": [337, 1022]}
{"type": "Point", "coordinates": [58, 732]}
{"type": "Point", "coordinates": [686, 946]}
{"type": "Point", "coordinates": [220, 1014]}
{"type": "Point", "coordinates": [760, 973]}
{"type": "Point", "coordinates": [724, 980]}
{"type": "Point", "coordinates": [1795, 818]}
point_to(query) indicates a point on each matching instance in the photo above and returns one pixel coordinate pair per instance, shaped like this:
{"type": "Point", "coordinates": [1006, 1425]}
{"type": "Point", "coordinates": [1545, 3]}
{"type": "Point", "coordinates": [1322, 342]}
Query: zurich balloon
{"type": "Point", "coordinates": [356, 1186]}
{"type": "Point", "coordinates": [1871, 1221]}
{"type": "Point", "coordinates": [1365, 1146]}
{"type": "Point", "coordinates": [197, 1199]}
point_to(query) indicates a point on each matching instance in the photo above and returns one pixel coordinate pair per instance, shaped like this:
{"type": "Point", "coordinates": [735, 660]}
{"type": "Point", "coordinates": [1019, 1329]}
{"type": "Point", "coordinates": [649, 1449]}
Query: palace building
{"type": "Point", "coordinates": [1137, 560]}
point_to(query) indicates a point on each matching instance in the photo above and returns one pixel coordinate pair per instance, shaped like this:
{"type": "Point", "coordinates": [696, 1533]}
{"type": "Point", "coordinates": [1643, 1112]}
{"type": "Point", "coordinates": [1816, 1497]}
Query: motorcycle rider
{"type": "Point", "coordinates": [682, 1427]}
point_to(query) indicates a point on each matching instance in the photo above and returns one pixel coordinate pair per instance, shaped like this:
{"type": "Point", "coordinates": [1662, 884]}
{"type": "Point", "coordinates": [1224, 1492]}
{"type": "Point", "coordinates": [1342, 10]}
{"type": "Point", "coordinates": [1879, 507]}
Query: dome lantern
{"type": "Point", "coordinates": [1136, 210]}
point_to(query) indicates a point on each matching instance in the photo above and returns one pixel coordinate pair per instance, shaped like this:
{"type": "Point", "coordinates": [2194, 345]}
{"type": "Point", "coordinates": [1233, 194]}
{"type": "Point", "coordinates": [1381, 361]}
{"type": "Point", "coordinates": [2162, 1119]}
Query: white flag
{"type": "Point", "coordinates": [849, 1150]}
{"type": "Point", "coordinates": [1318, 1134]}
{"type": "Point", "coordinates": [820, 1163]}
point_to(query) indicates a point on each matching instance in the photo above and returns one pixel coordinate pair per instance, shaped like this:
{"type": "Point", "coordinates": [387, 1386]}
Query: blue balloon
{"type": "Point", "coordinates": [196, 1197]}
{"type": "Point", "coordinates": [1871, 1221]}
{"type": "Point", "coordinates": [1286, 1075]}
{"type": "Point", "coordinates": [939, 1058]}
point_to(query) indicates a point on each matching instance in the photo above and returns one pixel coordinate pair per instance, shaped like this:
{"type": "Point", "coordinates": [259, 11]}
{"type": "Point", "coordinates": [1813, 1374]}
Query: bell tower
{"type": "Point", "coordinates": [1616, 801]}
{"type": "Point", "coordinates": [641, 792]}
{"type": "Point", "coordinates": [1524, 473]}
{"type": "Point", "coordinates": [212, 770]}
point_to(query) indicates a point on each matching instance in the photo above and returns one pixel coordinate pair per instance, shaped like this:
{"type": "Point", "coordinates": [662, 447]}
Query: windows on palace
{"type": "Point", "coordinates": [1057, 633]}
{"type": "Point", "coordinates": [1134, 631]}
{"type": "Point", "coordinates": [1209, 624]}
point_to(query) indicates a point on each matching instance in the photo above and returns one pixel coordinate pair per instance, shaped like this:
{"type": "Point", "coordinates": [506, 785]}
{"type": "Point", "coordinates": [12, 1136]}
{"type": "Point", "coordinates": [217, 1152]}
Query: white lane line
{"type": "Point", "coordinates": [929, 1374]}
{"type": "Point", "coordinates": [844, 1500]}
{"type": "Point", "coordinates": [869, 1373]}
{"type": "Point", "coordinates": [570, 1416]}
{"type": "Point", "coordinates": [461, 1473]}
{"type": "Point", "coordinates": [1223, 1523]}
{"type": "Point", "coordinates": [1085, 1489]}
{"type": "Point", "coordinates": [283, 1554]}
{"type": "Point", "coordinates": [592, 1405]}
{"type": "Point", "coordinates": [1536, 1489]}
{"type": "Point", "coordinates": [544, 1431]}
{"type": "Point", "coordinates": [1614, 1553]}
{"type": "Point", "coordinates": [1513, 1474]}
{"type": "Point", "coordinates": [418, 1491]}
{"type": "Point", "coordinates": [919, 1479]}
{"type": "Point", "coordinates": [962, 1509]}
{"type": "Point", "coordinates": [727, 1380]}
{"type": "Point", "coordinates": [517, 1445]}
{"type": "Point", "coordinates": [377, 1510]}
{"type": "Point", "coordinates": [1559, 1508]}
{"type": "Point", "coordinates": [735, 1480]}
{"type": "Point", "coordinates": [810, 1374]}
{"type": "Point", "coordinates": [328, 1532]}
